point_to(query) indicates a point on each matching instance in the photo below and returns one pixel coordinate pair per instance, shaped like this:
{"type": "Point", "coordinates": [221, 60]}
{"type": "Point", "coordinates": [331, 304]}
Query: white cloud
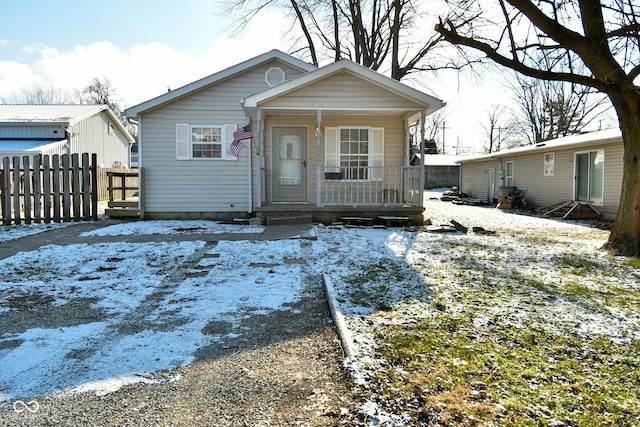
{"type": "Point", "coordinates": [140, 72]}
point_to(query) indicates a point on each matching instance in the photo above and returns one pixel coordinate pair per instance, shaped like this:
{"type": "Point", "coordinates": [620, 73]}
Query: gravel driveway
{"type": "Point", "coordinates": [285, 370]}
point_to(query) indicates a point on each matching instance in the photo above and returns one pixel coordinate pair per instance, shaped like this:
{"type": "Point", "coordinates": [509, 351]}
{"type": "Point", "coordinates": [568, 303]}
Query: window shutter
{"type": "Point", "coordinates": [228, 139]}
{"type": "Point", "coordinates": [331, 150]}
{"type": "Point", "coordinates": [182, 141]}
{"type": "Point", "coordinates": [377, 153]}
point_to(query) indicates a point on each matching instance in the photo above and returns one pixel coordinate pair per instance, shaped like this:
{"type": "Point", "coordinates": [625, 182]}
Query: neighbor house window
{"type": "Point", "coordinates": [509, 175]}
{"type": "Point", "coordinates": [207, 142]}
{"type": "Point", "coordinates": [549, 164]}
{"type": "Point", "coordinates": [354, 152]}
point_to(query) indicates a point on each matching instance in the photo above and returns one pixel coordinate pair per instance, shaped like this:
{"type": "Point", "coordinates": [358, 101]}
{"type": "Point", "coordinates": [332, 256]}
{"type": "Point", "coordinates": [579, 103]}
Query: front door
{"type": "Point", "coordinates": [290, 164]}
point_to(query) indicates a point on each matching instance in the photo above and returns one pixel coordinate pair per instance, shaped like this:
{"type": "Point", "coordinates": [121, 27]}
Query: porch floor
{"type": "Point", "coordinates": [330, 214]}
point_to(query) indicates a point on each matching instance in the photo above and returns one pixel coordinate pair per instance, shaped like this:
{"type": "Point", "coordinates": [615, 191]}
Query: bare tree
{"type": "Point", "coordinates": [497, 127]}
{"type": "Point", "coordinates": [369, 32]}
{"type": "Point", "coordinates": [39, 95]}
{"type": "Point", "coordinates": [553, 109]}
{"type": "Point", "coordinates": [593, 43]}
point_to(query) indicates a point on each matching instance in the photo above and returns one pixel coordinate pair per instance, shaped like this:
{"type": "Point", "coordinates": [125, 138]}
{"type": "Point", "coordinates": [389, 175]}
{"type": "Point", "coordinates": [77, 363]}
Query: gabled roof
{"type": "Point", "coordinates": [587, 139]}
{"type": "Point", "coordinates": [217, 78]}
{"type": "Point", "coordinates": [428, 101]}
{"type": "Point", "coordinates": [63, 115]}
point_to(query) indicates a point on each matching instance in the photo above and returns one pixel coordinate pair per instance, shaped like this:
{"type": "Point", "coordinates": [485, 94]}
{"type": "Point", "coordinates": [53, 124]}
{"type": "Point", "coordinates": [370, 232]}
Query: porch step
{"type": "Point", "coordinates": [356, 220]}
{"type": "Point", "coordinates": [389, 220]}
{"type": "Point", "coordinates": [123, 204]}
{"type": "Point", "coordinates": [122, 212]}
{"type": "Point", "coordinates": [289, 220]}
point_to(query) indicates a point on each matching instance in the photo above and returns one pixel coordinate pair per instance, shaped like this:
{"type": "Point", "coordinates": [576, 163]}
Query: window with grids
{"type": "Point", "coordinates": [207, 142]}
{"type": "Point", "coordinates": [354, 153]}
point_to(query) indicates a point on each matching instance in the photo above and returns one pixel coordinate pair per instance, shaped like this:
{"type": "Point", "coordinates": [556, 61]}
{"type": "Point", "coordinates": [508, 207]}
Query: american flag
{"type": "Point", "coordinates": [235, 147]}
{"type": "Point", "coordinates": [243, 133]}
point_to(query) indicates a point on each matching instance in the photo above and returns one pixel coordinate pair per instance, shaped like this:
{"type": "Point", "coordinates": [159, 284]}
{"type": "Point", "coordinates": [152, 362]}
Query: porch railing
{"type": "Point", "coordinates": [371, 186]}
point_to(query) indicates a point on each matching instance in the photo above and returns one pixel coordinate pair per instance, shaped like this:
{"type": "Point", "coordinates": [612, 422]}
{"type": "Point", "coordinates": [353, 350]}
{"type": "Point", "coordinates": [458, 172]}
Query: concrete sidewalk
{"type": "Point", "coordinates": [72, 235]}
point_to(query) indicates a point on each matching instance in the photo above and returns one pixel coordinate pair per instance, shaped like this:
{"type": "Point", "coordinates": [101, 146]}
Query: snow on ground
{"type": "Point", "coordinates": [102, 315]}
{"type": "Point", "coordinates": [525, 275]}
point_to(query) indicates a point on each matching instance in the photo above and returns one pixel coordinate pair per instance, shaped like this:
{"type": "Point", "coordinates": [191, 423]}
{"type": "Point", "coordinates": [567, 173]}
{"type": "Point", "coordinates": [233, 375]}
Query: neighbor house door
{"type": "Point", "coordinates": [589, 179]}
{"type": "Point", "coordinates": [492, 185]}
{"type": "Point", "coordinates": [289, 164]}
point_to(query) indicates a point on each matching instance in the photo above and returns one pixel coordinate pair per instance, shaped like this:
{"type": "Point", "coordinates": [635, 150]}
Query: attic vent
{"type": "Point", "coordinates": [274, 76]}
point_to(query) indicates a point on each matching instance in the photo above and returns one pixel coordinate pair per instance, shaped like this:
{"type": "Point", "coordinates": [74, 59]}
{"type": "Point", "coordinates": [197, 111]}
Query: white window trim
{"type": "Point", "coordinates": [184, 141]}
{"type": "Point", "coordinates": [508, 177]}
{"type": "Point", "coordinates": [553, 164]}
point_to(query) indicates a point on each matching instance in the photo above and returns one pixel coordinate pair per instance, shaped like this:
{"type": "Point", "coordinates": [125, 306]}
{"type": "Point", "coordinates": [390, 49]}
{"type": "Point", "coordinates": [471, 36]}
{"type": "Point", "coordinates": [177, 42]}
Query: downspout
{"type": "Point", "coordinates": [423, 116]}
{"type": "Point", "coordinates": [249, 180]}
{"type": "Point", "coordinates": [318, 158]}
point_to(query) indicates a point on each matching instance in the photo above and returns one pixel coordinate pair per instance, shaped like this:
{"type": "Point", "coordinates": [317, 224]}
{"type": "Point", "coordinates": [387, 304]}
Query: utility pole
{"type": "Point", "coordinates": [443, 128]}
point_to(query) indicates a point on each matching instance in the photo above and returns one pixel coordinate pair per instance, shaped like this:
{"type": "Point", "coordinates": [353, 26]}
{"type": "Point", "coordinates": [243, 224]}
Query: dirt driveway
{"type": "Point", "coordinates": [252, 346]}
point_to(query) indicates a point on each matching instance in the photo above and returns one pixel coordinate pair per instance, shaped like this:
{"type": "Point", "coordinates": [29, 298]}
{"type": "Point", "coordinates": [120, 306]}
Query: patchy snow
{"type": "Point", "coordinates": [173, 227]}
{"type": "Point", "coordinates": [524, 275]}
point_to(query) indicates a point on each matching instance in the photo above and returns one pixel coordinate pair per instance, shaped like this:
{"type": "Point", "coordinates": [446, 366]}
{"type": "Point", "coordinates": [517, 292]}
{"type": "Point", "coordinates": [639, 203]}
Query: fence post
{"type": "Point", "coordinates": [86, 187]}
{"type": "Point", "coordinates": [46, 184]}
{"type": "Point", "coordinates": [16, 190]}
{"type": "Point", "coordinates": [56, 188]}
{"type": "Point", "coordinates": [37, 189]}
{"type": "Point", "coordinates": [26, 177]}
{"type": "Point", "coordinates": [66, 189]}
{"type": "Point", "coordinates": [75, 186]}
{"type": "Point", "coordinates": [94, 185]}
{"type": "Point", "coordinates": [6, 191]}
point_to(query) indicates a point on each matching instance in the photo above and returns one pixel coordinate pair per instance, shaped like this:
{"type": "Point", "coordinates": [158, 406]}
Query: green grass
{"type": "Point", "coordinates": [531, 376]}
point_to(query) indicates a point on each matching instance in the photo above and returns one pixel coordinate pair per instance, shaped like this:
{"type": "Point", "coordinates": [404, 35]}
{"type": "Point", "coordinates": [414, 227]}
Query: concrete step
{"type": "Point", "coordinates": [289, 220]}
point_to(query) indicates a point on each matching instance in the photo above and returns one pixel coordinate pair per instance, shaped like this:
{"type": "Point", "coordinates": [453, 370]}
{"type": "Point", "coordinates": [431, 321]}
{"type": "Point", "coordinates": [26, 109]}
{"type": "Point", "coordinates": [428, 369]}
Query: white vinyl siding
{"type": "Point", "coordinates": [179, 189]}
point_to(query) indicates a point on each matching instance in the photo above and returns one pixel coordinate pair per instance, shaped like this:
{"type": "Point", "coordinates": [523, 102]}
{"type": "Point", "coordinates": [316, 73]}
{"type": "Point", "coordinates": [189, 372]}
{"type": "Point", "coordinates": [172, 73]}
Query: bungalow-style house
{"type": "Point", "coordinates": [325, 142]}
{"type": "Point", "coordinates": [28, 130]}
{"type": "Point", "coordinates": [579, 168]}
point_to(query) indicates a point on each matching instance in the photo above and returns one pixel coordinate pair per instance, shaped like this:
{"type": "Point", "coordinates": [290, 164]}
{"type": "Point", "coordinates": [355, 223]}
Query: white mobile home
{"type": "Point", "coordinates": [582, 168]}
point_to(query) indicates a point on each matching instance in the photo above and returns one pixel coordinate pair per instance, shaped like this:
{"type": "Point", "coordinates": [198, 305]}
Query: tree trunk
{"type": "Point", "coordinates": [625, 233]}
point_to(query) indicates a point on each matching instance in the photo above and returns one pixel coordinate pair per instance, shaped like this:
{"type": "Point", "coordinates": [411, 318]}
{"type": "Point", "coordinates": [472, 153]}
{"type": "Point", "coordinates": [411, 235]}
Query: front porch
{"type": "Point", "coordinates": [370, 193]}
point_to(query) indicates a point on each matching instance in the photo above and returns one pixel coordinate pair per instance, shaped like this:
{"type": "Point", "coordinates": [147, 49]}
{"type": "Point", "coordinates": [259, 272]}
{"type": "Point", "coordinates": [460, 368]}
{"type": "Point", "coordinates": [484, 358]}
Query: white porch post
{"type": "Point", "coordinates": [319, 159]}
{"type": "Point", "coordinates": [260, 158]}
{"type": "Point", "coordinates": [422, 177]}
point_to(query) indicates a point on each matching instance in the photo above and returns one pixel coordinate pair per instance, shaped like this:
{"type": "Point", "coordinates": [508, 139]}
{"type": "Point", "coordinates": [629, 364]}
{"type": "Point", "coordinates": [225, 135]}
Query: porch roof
{"type": "Point", "coordinates": [413, 101]}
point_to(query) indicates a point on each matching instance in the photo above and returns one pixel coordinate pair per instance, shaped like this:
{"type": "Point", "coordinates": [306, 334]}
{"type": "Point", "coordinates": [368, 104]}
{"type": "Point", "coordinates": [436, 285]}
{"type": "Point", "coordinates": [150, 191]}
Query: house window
{"type": "Point", "coordinates": [354, 152]}
{"type": "Point", "coordinates": [509, 175]}
{"type": "Point", "coordinates": [204, 142]}
{"type": "Point", "coordinates": [549, 164]}
{"type": "Point", "coordinates": [207, 142]}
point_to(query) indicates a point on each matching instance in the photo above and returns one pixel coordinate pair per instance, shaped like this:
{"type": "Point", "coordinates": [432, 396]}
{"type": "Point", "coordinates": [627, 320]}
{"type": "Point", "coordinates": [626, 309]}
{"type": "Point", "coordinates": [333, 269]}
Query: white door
{"type": "Point", "coordinates": [289, 164]}
{"type": "Point", "coordinates": [492, 185]}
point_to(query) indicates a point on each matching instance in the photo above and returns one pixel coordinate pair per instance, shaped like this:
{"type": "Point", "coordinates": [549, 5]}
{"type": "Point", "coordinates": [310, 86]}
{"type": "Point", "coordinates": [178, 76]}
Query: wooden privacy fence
{"type": "Point", "coordinates": [48, 188]}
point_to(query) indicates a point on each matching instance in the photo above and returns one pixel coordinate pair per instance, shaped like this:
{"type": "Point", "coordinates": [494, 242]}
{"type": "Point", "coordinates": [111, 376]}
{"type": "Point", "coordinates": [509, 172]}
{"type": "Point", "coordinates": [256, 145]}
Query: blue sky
{"type": "Point", "coordinates": [146, 46]}
{"type": "Point", "coordinates": [143, 47]}
{"type": "Point", "coordinates": [67, 23]}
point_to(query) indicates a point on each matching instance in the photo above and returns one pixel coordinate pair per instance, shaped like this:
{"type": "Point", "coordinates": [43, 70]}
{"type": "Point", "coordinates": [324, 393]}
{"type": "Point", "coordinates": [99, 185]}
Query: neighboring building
{"type": "Point", "coordinates": [583, 168]}
{"type": "Point", "coordinates": [28, 130]}
{"type": "Point", "coordinates": [440, 170]}
{"type": "Point", "coordinates": [327, 142]}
